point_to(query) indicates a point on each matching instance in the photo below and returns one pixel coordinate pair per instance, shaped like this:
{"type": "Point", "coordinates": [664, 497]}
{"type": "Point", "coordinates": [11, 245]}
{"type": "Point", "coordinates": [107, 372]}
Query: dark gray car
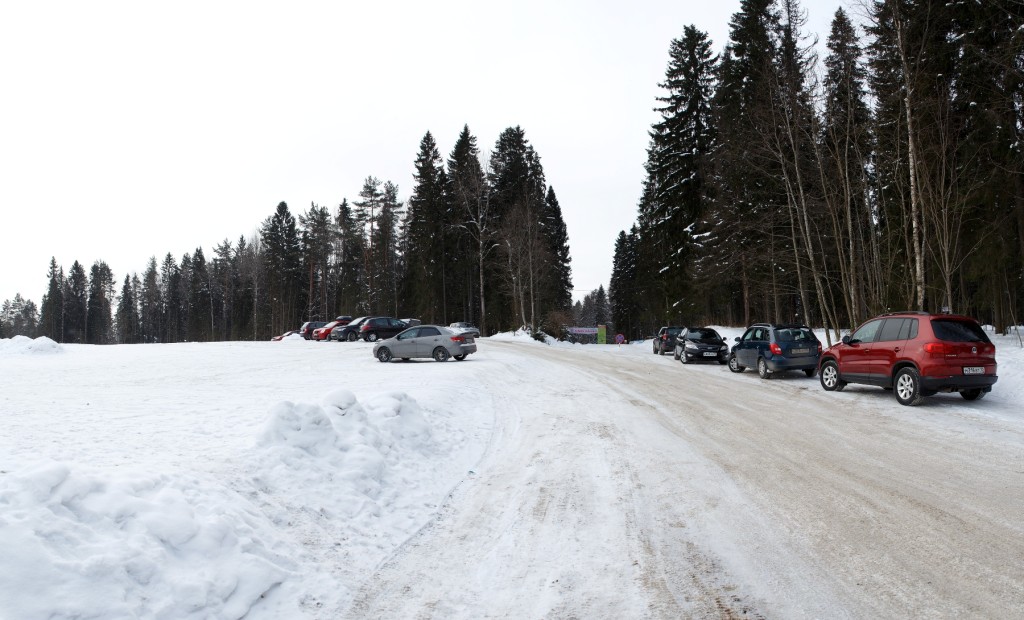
{"type": "Point", "coordinates": [432, 341]}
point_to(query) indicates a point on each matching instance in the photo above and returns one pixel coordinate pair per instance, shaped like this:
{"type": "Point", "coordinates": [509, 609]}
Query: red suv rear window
{"type": "Point", "coordinates": [952, 330]}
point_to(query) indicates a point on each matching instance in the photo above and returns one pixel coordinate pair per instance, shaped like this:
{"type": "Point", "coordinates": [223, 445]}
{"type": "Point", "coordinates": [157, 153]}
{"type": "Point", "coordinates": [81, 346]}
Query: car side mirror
{"type": "Point", "coordinates": [847, 339]}
{"type": "Point", "coordinates": [737, 338]}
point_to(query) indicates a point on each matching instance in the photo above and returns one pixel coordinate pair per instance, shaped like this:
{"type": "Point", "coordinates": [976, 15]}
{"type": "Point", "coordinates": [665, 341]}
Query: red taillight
{"type": "Point", "coordinates": [939, 348]}
{"type": "Point", "coordinates": [458, 339]}
{"type": "Point", "coordinates": [776, 349]}
{"type": "Point", "coordinates": [364, 328]}
{"type": "Point", "coordinates": [819, 348]}
{"type": "Point", "coordinates": [664, 336]}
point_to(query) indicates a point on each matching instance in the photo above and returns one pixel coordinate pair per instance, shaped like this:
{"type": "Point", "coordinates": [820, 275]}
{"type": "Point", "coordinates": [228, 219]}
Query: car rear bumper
{"type": "Point", "coordinates": [957, 383]}
{"type": "Point", "coordinates": [468, 348]}
{"type": "Point", "coordinates": [778, 364]}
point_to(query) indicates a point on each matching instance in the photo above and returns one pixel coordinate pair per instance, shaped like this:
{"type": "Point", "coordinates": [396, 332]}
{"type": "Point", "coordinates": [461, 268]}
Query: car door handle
{"type": "Point", "coordinates": [896, 350]}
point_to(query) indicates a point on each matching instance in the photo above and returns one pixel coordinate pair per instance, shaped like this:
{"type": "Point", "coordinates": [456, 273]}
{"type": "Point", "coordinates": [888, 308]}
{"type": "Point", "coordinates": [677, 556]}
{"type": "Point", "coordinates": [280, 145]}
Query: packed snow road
{"type": "Point", "coordinates": [620, 485]}
{"type": "Point", "coordinates": [292, 479]}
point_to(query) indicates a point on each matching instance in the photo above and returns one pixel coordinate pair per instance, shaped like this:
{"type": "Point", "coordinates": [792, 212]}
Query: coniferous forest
{"type": "Point", "coordinates": [485, 244]}
{"type": "Point", "coordinates": [883, 173]}
{"type": "Point", "coordinates": [886, 176]}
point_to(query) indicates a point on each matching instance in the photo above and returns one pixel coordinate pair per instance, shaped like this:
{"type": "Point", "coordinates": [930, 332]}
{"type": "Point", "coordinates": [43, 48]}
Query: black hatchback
{"type": "Point", "coordinates": [701, 344]}
{"type": "Point", "coordinates": [776, 348]}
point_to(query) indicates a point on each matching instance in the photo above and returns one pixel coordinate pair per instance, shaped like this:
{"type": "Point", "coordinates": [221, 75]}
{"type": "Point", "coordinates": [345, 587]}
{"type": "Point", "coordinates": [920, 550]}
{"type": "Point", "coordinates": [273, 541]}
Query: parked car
{"type": "Point", "coordinates": [666, 339]}
{"type": "Point", "coordinates": [701, 344]}
{"type": "Point", "coordinates": [380, 327]}
{"type": "Point", "coordinates": [462, 327]}
{"type": "Point", "coordinates": [322, 333]}
{"type": "Point", "coordinates": [348, 332]}
{"type": "Point", "coordinates": [307, 328]}
{"type": "Point", "coordinates": [776, 348]}
{"type": "Point", "coordinates": [915, 354]}
{"type": "Point", "coordinates": [433, 341]}
{"type": "Point", "coordinates": [284, 335]}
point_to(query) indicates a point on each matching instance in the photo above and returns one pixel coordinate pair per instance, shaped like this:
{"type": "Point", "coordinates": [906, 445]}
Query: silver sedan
{"type": "Point", "coordinates": [433, 341]}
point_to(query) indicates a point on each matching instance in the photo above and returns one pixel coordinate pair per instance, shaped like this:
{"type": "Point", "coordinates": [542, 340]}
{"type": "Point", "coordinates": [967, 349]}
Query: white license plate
{"type": "Point", "coordinates": [710, 354]}
{"type": "Point", "coordinates": [799, 351]}
{"type": "Point", "coordinates": [974, 370]}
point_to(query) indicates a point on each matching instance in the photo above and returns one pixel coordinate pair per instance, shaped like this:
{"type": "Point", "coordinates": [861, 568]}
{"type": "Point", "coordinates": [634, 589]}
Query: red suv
{"type": "Point", "coordinates": [916, 354]}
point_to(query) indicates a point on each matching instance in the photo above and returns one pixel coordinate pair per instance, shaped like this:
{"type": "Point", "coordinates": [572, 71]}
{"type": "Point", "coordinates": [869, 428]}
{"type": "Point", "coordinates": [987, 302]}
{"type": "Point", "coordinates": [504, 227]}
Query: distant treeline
{"type": "Point", "coordinates": [890, 177]}
{"type": "Point", "coordinates": [486, 245]}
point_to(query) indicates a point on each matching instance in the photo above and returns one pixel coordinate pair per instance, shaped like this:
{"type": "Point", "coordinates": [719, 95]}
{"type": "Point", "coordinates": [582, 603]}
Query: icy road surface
{"type": "Point", "coordinates": [625, 486]}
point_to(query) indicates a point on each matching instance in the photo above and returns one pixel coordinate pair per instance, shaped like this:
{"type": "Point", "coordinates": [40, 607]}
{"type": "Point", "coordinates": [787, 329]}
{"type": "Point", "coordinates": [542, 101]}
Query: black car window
{"type": "Point", "coordinates": [410, 333]}
{"type": "Point", "coordinates": [396, 323]}
{"type": "Point", "coordinates": [674, 331]}
{"type": "Point", "coordinates": [429, 331]}
{"type": "Point", "coordinates": [702, 334]}
{"type": "Point", "coordinates": [891, 330]}
{"type": "Point", "coordinates": [909, 329]}
{"type": "Point", "coordinates": [748, 336]}
{"type": "Point", "coordinates": [953, 330]}
{"type": "Point", "coordinates": [866, 332]}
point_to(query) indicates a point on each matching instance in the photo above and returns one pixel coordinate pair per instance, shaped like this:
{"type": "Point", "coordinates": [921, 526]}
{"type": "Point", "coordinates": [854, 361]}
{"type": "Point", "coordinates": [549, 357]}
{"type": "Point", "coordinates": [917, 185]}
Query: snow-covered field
{"type": "Point", "coordinates": [268, 479]}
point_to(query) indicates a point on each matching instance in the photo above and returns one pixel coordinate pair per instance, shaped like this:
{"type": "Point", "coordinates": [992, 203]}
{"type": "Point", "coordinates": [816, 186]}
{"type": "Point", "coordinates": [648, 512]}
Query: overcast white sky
{"type": "Point", "coordinates": [134, 129]}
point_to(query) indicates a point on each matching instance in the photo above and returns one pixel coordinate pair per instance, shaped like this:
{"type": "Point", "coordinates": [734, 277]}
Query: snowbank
{"type": "Point", "coordinates": [126, 543]}
{"type": "Point", "coordinates": [123, 542]}
{"type": "Point", "coordinates": [20, 345]}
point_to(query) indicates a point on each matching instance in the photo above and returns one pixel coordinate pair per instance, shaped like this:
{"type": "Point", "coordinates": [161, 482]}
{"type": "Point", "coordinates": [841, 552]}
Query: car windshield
{"type": "Point", "coordinates": [674, 331]}
{"type": "Point", "coordinates": [702, 334]}
{"type": "Point", "coordinates": [952, 330]}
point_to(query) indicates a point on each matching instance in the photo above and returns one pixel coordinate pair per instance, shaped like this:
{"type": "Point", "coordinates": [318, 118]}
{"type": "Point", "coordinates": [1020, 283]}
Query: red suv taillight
{"type": "Point", "coordinates": [775, 348]}
{"type": "Point", "coordinates": [364, 328]}
{"type": "Point", "coordinates": [458, 339]}
{"type": "Point", "coordinates": [939, 348]}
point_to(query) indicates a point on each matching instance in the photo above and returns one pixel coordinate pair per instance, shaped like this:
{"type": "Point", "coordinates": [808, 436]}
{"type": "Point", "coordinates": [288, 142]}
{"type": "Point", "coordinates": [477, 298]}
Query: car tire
{"type": "Point", "coordinates": [440, 354]}
{"type": "Point", "coordinates": [684, 359]}
{"type": "Point", "coordinates": [384, 355]}
{"type": "Point", "coordinates": [371, 337]}
{"type": "Point", "coordinates": [907, 387]}
{"type": "Point", "coordinates": [762, 369]}
{"type": "Point", "coordinates": [809, 372]}
{"type": "Point", "coordinates": [734, 364]}
{"type": "Point", "coordinates": [829, 377]}
{"type": "Point", "coordinates": [352, 337]}
{"type": "Point", "coordinates": [975, 394]}
{"type": "Point", "coordinates": [459, 358]}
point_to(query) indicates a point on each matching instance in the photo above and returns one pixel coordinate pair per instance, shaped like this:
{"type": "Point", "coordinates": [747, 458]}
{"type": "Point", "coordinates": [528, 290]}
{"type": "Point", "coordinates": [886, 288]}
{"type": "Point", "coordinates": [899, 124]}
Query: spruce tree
{"type": "Point", "coordinates": [199, 326]}
{"type": "Point", "coordinates": [127, 316]}
{"type": "Point", "coordinates": [427, 230]}
{"type": "Point", "coordinates": [99, 314]}
{"type": "Point", "coordinates": [76, 298]}
{"type": "Point", "coordinates": [678, 164]}
{"type": "Point", "coordinates": [51, 320]}
{"type": "Point", "coordinates": [558, 267]}
{"type": "Point", "coordinates": [317, 239]}
{"type": "Point", "coordinates": [474, 225]}
{"type": "Point", "coordinates": [282, 257]}
{"type": "Point", "coordinates": [517, 188]}
{"type": "Point", "coordinates": [348, 262]}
